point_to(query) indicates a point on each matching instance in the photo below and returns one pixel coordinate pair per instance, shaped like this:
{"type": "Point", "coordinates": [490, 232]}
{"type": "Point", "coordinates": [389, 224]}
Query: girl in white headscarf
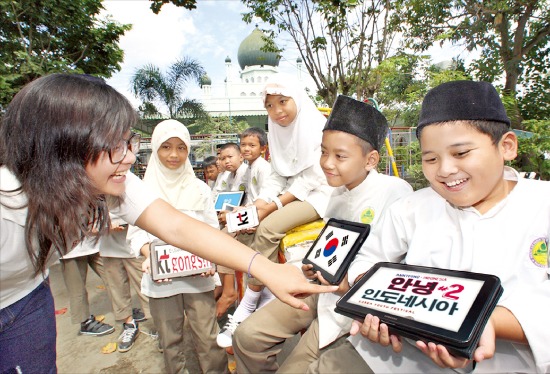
{"type": "Point", "coordinates": [296, 192]}
{"type": "Point", "coordinates": [170, 173]}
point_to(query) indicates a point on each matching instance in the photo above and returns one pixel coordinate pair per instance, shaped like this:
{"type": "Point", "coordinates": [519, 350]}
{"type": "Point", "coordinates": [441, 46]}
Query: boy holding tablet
{"type": "Point", "coordinates": [352, 137]}
{"type": "Point", "coordinates": [235, 169]}
{"type": "Point", "coordinates": [253, 143]}
{"type": "Point", "coordinates": [479, 216]}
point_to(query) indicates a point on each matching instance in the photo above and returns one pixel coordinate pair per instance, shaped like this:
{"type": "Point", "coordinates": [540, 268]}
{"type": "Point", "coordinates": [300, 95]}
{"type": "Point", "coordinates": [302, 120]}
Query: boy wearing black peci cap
{"type": "Point", "coordinates": [477, 215]}
{"type": "Point", "coordinates": [352, 138]}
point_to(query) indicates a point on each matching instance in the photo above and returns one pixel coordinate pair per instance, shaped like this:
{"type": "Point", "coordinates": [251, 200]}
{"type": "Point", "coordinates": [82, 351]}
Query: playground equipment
{"type": "Point", "coordinates": [387, 141]}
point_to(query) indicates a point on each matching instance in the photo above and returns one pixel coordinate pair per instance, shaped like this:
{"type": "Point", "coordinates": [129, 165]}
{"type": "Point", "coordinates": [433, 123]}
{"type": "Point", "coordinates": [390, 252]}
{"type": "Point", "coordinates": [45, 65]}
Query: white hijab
{"type": "Point", "coordinates": [296, 147]}
{"type": "Point", "coordinates": [177, 187]}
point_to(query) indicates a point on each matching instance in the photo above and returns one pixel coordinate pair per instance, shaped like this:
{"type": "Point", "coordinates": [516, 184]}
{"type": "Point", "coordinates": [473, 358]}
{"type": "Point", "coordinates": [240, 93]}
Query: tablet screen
{"type": "Point", "coordinates": [332, 247]}
{"type": "Point", "coordinates": [438, 300]}
{"type": "Point", "coordinates": [232, 198]}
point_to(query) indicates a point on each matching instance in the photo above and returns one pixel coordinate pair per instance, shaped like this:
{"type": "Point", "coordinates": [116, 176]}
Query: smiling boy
{"type": "Point", "coordinates": [352, 138]}
{"type": "Point", "coordinates": [477, 215]}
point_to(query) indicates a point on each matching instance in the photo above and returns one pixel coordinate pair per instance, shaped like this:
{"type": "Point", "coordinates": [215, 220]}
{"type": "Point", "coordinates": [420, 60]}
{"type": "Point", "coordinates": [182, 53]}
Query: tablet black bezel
{"type": "Point", "coordinates": [362, 228]}
{"type": "Point", "coordinates": [463, 337]}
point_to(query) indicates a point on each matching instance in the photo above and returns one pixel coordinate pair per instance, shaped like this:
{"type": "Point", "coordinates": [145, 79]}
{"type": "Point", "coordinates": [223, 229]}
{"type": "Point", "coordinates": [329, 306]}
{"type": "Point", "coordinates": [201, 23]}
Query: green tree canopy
{"type": "Point", "coordinates": [156, 5]}
{"type": "Point", "coordinates": [153, 87]}
{"type": "Point", "coordinates": [340, 42]}
{"type": "Point", "coordinates": [513, 37]}
{"type": "Point", "coordinates": [50, 36]}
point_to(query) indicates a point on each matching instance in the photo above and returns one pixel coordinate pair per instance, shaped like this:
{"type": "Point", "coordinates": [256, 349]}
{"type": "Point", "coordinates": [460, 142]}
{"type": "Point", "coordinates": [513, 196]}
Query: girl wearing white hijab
{"type": "Point", "coordinates": [296, 192]}
{"type": "Point", "coordinates": [170, 173]}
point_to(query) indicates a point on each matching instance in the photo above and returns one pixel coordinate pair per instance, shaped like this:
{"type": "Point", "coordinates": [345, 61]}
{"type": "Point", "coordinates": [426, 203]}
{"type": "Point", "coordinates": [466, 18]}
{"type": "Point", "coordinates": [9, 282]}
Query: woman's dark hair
{"type": "Point", "coordinates": [52, 129]}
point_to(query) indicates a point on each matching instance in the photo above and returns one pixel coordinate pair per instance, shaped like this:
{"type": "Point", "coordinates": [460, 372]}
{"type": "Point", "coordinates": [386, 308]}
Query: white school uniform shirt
{"type": "Point", "coordinates": [237, 181]}
{"type": "Point", "coordinates": [189, 284]}
{"type": "Point", "coordinates": [509, 241]}
{"type": "Point", "coordinates": [115, 244]}
{"type": "Point", "coordinates": [256, 176]}
{"type": "Point", "coordinates": [308, 185]}
{"type": "Point", "coordinates": [86, 247]}
{"type": "Point", "coordinates": [221, 180]}
{"type": "Point", "coordinates": [366, 203]}
{"type": "Point", "coordinates": [16, 270]}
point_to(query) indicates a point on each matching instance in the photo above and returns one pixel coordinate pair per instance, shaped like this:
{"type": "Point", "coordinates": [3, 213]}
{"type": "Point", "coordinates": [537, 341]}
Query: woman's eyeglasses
{"type": "Point", "coordinates": [118, 152]}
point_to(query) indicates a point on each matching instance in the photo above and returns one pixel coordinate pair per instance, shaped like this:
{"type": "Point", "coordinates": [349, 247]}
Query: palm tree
{"type": "Point", "coordinates": [152, 86]}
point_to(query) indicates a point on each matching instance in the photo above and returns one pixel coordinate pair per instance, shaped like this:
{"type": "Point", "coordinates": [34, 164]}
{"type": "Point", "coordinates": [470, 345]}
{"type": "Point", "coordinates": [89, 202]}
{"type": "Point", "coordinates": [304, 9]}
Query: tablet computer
{"type": "Point", "coordinates": [168, 261]}
{"type": "Point", "coordinates": [335, 247]}
{"type": "Point", "coordinates": [232, 198]}
{"type": "Point", "coordinates": [443, 306]}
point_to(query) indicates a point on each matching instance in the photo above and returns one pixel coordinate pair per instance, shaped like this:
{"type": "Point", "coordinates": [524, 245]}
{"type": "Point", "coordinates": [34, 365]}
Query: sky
{"type": "Point", "coordinates": [208, 34]}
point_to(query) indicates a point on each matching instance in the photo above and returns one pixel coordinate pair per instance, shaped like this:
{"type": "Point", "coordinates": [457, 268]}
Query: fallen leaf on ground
{"type": "Point", "coordinates": [60, 311]}
{"type": "Point", "coordinates": [109, 348]}
{"type": "Point", "coordinates": [100, 318]}
{"type": "Point", "coordinates": [101, 287]}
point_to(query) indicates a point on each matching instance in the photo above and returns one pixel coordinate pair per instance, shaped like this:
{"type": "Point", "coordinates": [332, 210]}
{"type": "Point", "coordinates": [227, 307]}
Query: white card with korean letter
{"type": "Point", "coordinates": [242, 219]}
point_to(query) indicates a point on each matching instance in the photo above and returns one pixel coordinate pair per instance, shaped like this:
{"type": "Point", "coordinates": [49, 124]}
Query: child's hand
{"type": "Point", "coordinates": [442, 358]}
{"type": "Point", "coordinates": [208, 273]}
{"type": "Point", "coordinates": [221, 217]}
{"type": "Point", "coordinates": [250, 230]}
{"type": "Point", "coordinates": [343, 287]}
{"type": "Point", "coordinates": [146, 268]}
{"type": "Point", "coordinates": [307, 269]}
{"type": "Point", "coordinates": [289, 285]}
{"type": "Point", "coordinates": [263, 209]}
{"type": "Point", "coordinates": [376, 332]}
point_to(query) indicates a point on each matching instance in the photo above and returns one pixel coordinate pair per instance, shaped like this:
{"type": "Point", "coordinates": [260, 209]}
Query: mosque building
{"type": "Point", "coordinates": [240, 100]}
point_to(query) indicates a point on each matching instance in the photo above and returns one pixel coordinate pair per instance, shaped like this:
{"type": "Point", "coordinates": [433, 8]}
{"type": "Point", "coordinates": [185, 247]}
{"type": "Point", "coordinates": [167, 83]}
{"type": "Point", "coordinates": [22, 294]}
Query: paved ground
{"type": "Point", "coordinates": [82, 354]}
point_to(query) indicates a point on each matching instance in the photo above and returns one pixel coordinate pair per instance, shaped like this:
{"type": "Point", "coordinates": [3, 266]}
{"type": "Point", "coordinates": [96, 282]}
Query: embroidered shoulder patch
{"type": "Point", "coordinates": [539, 252]}
{"type": "Point", "coordinates": [367, 216]}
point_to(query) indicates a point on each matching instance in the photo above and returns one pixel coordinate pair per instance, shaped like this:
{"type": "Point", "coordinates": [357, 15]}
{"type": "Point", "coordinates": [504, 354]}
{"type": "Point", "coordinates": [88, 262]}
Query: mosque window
{"type": "Point", "coordinates": [252, 80]}
{"type": "Point", "coordinates": [243, 94]}
{"type": "Point", "coordinates": [259, 79]}
{"type": "Point", "coordinates": [253, 94]}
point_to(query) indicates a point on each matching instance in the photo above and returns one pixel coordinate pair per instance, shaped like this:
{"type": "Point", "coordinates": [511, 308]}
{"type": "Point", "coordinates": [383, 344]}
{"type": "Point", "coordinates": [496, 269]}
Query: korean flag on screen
{"type": "Point", "coordinates": [332, 247]}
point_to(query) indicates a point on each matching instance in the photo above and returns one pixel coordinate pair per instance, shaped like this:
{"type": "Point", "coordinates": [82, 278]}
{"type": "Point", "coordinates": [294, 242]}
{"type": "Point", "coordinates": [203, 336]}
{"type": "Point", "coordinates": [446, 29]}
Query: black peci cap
{"type": "Point", "coordinates": [359, 119]}
{"type": "Point", "coordinates": [462, 100]}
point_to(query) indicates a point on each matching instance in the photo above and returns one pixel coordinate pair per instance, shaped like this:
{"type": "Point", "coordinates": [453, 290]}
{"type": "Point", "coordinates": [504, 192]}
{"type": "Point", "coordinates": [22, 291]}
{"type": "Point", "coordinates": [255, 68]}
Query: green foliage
{"type": "Point", "coordinates": [40, 37]}
{"type": "Point", "coordinates": [405, 79]}
{"type": "Point", "coordinates": [534, 149]}
{"type": "Point", "coordinates": [513, 39]}
{"type": "Point", "coordinates": [219, 125]}
{"type": "Point", "coordinates": [340, 42]}
{"type": "Point", "coordinates": [212, 126]}
{"type": "Point", "coordinates": [534, 97]}
{"type": "Point", "coordinates": [156, 5]}
{"type": "Point", "coordinates": [152, 86]}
